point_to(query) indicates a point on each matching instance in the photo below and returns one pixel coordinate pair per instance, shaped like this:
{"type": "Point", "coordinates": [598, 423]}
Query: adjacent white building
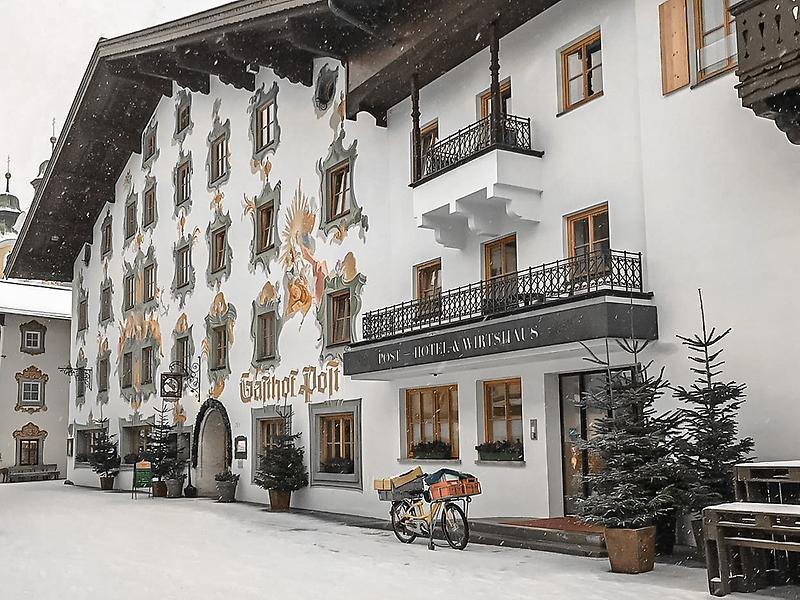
{"type": "Point", "coordinates": [426, 278]}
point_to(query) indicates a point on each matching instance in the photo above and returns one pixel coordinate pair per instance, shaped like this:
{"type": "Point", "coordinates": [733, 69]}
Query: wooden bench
{"type": "Point", "coordinates": [33, 473]}
{"type": "Point", "coordinates": [751, 545]}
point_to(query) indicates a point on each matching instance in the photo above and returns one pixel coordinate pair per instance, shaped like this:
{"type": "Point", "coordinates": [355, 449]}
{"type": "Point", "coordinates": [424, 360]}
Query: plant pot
{"type": "Point", "coordinates": [279, 501]}
{"type": "Point", "coordinates": [174, 487]}
{"type": "Point", "coordinates": [665, 534]}
{"type": "Point", "coordinates": [699, 538]}
{"type": "Point", "coordinates": [106, 484]}
{"type": "Point", "coordinates": [631, 550]}
{"type": "Point", "coordinates": [190, 491]}
{"type": "Point", "coordinates": [159, 489]}
{"type": "Point", "coordinates": [226, 491]}
{"type": "Point", "coordinates": [498, 456]}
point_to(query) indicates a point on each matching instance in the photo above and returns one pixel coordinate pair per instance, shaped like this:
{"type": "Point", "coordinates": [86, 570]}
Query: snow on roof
{"type": "Point", "coordinates": [35, 299]}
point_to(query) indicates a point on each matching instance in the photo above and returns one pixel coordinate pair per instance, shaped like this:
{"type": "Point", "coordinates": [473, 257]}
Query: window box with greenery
{"type": "Point", "coordinates": [501, 451]}
{"type": "Point", "coordinates": [281, 471]}
{"type": "Point", "coordinates": [436, 450]}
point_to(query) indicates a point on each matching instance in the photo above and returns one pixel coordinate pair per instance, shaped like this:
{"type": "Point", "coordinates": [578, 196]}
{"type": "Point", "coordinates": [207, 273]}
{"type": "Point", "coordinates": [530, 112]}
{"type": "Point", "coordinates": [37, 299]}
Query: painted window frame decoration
{"type": "Point", "coordinates": [332, 408]}
{"type": "Point", "coordinates": [107, 236]}
{"type": "Point", "coordinates": [103, 354]}
{"type": "Point", "coordinates": [82, 297]}
{"type": "Point", "coordinates": [183, 100]}
{"type": "Point", "coordinates": [268, 301]}
{"type": "Point", "coordinates": [31, 375]}
{"type": "Point", "coordinates": [130, 222]}
{"type": "Point", "coordinates": [29, 432]}
{"type": "Point", "coordinates": [151, 131]}
{"type": "Point", "coordinates": [218, 130]}
{"type": "Point", "coordinates": [145, 261]}
{"type": "Point", "coordinates": [214, 278]}
{"type": "Point", "coordinates": [338, 156]}
{"type": "Point", "coordinates": [184, 160]}
{"type": "Point", "coordinates": [260, 99]}
{"type": "Point", "coordinates": [106, 284]}
{"type": "Point", "coordinates": [268, 195]}
{"type": "Point", "coordinates": [182, 330]}
{"type": "Point", "coordinates": [221, 314]}
{"type": "Point", "coordinates": [185, 243]}
{"type": "Point", "coordinates": [344, 278]}
{"type": "Point", "coordinates": [325, 89]}
{"type": "Point", "coordinates": [80, 363]}
{"type": "Point", "coordinates": [139, 391]}
{"type": "Point", "coordinates": [32, 326]}
{"type": "Point", "coordinates": [150, 187]}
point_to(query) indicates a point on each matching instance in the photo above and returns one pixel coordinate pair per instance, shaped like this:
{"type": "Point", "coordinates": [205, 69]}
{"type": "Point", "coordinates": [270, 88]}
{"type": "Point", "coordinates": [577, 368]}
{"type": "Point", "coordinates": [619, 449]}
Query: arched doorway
{"type": "Point", "coordinates": [211, 446]}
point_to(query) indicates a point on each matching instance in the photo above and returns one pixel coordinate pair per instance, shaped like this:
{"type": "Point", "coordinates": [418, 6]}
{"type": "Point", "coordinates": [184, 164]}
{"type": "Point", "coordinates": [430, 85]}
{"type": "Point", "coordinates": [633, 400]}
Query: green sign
{"type": "Point", "coordinates": [142, 475]}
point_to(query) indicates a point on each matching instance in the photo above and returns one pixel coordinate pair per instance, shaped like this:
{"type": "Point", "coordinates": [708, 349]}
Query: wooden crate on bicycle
{"type": "Point", "coordinates": [407, 485]}
{"type": "Point", "coordinates": [455, 489]}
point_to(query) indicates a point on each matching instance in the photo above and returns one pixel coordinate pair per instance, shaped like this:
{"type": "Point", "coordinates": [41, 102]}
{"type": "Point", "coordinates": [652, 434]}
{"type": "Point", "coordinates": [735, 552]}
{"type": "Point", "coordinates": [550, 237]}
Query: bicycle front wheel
{"type": "Point", "coordinates": [455, 526]}
{"type": "Point", "coordinates": [399, 513]}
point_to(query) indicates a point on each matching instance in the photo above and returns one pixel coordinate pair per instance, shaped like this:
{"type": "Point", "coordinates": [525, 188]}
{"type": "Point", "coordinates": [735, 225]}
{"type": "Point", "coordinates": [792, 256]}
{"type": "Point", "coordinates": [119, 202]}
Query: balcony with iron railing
{"type": "Point", "coordinates": [607, 271]}
{"type": "Point", "coordinates": [768, 43]}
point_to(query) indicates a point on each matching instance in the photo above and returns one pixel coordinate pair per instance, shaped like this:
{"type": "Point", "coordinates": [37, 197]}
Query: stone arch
{"type": "Point", "coordinates": [211, 444]}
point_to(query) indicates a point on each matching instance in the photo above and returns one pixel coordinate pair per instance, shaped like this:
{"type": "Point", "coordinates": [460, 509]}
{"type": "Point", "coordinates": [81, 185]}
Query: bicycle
{"type": "Point", "coordinates": [447, 504]}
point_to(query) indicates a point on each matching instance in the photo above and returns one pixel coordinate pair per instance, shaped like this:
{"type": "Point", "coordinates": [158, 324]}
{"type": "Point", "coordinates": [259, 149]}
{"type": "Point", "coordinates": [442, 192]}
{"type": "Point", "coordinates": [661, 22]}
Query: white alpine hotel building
{"type": "Point", "coordinates": [342, 207]}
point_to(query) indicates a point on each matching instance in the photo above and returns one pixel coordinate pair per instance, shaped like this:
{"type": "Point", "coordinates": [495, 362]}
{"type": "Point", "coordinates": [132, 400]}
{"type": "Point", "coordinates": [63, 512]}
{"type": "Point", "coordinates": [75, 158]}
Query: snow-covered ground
{"type": "Point", "coordinates": [66, 543]}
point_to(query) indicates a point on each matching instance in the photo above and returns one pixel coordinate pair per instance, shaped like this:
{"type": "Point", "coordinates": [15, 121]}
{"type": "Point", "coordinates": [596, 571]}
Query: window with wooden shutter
{"type": "Point", "coordinates": [674, 46]}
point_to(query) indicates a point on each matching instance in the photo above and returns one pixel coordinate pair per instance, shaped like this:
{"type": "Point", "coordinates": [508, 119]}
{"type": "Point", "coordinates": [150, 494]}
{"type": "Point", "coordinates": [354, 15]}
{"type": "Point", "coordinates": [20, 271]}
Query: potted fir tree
{"type": "Point", "coordinates": [175, 477]}
{"type": "Point", "coordinates": [710, 443]}
{"type": "Point", "coordinates": [503, 450]}
{"type": "Point", "coordinates": [226, 485]}
{"type": "Point", "coordinates": [635, 484]}
{"type": "Point", "coordinates": [161, 454]}
{"type": "Point", "coordinates": [104, 457]}
{"type": "Point", "coordinates": [282, 471]}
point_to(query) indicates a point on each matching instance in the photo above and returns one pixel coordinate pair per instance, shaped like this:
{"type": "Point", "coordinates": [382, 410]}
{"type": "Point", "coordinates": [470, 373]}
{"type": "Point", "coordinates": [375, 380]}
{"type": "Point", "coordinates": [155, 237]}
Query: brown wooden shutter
{"type": "Point", "coordinates": [674, 46]}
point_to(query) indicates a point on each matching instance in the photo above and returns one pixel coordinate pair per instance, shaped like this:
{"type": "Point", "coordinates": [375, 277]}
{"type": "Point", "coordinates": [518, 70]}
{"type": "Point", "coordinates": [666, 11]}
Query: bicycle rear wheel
{"type": "Point", "coordinates": [455, 526]}
{"type": "Point", "coordinates": [400, 512]}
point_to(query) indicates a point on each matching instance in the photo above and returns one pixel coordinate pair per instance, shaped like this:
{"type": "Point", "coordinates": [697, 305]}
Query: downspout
{"type": "Point", "coordinates": [339, 12]}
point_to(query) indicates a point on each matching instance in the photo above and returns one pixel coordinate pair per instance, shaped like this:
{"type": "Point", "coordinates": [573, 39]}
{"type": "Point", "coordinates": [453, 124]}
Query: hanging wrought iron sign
{"type": "Point", "coordinates": [79, 373]}
{"type": "Point", "coordinates": [171, 386]}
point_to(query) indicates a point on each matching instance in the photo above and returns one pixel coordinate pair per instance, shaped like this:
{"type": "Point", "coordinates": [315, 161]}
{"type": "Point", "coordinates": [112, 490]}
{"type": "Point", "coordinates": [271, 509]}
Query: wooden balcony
{"type": "Point", "coordinates": [768, 40]}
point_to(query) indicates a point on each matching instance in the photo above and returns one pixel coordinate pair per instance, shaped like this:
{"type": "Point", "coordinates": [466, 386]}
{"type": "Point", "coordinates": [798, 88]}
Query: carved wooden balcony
{"type": "Point", "coordinates": [768, 39]}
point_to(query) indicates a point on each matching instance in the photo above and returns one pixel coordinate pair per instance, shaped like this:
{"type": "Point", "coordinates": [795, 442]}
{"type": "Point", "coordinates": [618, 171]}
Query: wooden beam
{"type": "Point", "coordinates": [157, 84]}
{"type": "Point", "coordinates": [294, 64]}
{"type": "Point", "coordinates": [230, 70]}
{"type": "Point", "coordinates": [163, 68]}
{"type": "Point", "coordinates": [416, 135]}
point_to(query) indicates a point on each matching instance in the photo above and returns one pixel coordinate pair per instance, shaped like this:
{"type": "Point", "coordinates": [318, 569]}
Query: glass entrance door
{"type": "Point", "coordinates": [576, 425]}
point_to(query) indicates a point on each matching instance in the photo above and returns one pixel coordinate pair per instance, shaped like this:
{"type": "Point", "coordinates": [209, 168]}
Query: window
{"type": "Point", "coordinates": [339, 191]}
{"type": "Point", "coordinates": [502, 406]}
{"type": "Point", "coordinates": [432, 422]}
{"type": "Point", "coordinates": [182, 183]}
{"type": "Point", "coordinates": [134, 440]}
{"type": "Point", "coordinates": [589, 232]}
{"type": "Point", "coordinates": [266, 216]}
{"type": "Point", "coordinates": [219, 242]}
{"type": "Point", "coordinates": [85, 440]}
{"type": "Point", "coordinates": [182, 352]}
{"type": "Point", "coordinates": [429, 279]}
{"type": "Point", "coordinates": [429, 135]}
{"type": "Point", "coordinates": [500, 257]}
{"type": "Point", "coordinates": [147, 364]}
{"type": "Point", "coordinates": [83, 315]}
{"type": "Point", "coordinates": [129, 292]}
{"type": "Point", "coordinates": [130, 219]}
{"type": "Point", "coordinates": [31, 340]}
{"type": "Point", "coordinates": [149, 145]}
{"type": "Point", "coordinates": [149, 283]}
{"type": "Point", "coordinates": [266, 336]}
{"type": "Point", "coordinates": [339, 318]}
{"type": "Point", "coordinates": [184, 266]}
{"type": "Point", "coordinates": [219, 158]}
{"type": "Point", "coordinates": [102, 374]}
{"type": "Point", "coordinates": [265, 125]}
{"type": "Point", "coordinates": [337, 444]}
{"type": "Point", "coordinates": [269, 430]}
{"type": "Point", "coordinates": [105, 303]}
{"type": "Point", "coordinates": [149, 216]}
{"type": "Point", "coordinates": [219, 347]}
{"type": "Point", "coordinates": [105, 244]}
{"type": "Point", "coordinates": [715, 37]}
{"type": "Point", "coordinates": [28, 453]}
{"type": "Point", "coordinates": [184, 117]}
{"type": "Point", "coordinates": [127, 370]}
{"type": "Point", "coordinates": [80, 383]}
{"type": "Point", "coordinates": [486, 100]}
{"type": "Point", "coordinates": [31, 393]}
{"type": "Point", "coordinates": [582, 72]}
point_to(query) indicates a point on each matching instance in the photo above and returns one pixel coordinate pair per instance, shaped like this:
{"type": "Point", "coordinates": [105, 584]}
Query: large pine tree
{"type": "Point", "coordinates": [104, 457]}
{"type": "Point", "coordinates": [710, 443]}
{"type": "Point", "coordinates": [163, 455]}
{"type": "Point", "coordinates": [636, 482]}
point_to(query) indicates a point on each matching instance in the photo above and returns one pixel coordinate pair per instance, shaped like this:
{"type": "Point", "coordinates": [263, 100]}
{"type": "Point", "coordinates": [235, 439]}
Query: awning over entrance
{"type": "Point", "coordinates": [598, 318]}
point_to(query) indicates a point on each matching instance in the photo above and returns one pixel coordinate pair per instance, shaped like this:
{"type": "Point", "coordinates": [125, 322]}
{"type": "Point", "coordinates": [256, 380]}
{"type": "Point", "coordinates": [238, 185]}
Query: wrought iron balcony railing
{"type": "Point", "coordinates": [768, 44]}
{"type": "Point", "coordinates": [611, 270]}
{"type": "Point", "coordinates": [511, 133]}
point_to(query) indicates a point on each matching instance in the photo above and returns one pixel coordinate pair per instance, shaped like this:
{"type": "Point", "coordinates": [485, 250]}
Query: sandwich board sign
{"type": "Point", "coordinates": [142, 477]}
